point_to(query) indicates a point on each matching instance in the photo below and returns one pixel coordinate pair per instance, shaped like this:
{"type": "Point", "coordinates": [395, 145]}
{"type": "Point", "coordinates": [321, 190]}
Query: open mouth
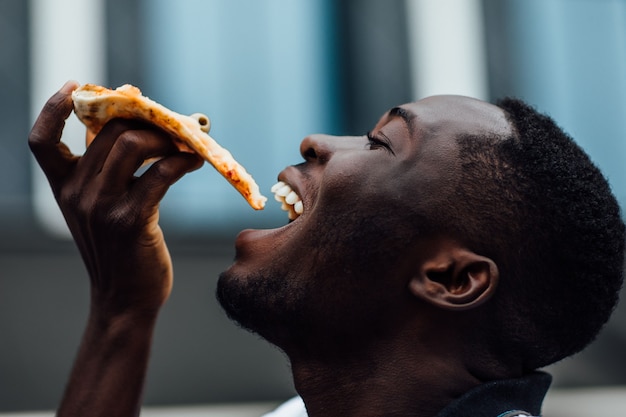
{"type": "Point", "coordinates": [289, 199]}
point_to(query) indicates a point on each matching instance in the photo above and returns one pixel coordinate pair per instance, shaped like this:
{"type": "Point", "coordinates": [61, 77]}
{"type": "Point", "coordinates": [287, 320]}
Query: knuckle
{"type": "Point", "coordinates": [35, 139]}
{"type": "Point", "coordinates": [49, 123]}
{"type": "Point", "coordinates": [161, 172]}
{"type": "Point", "coordinates": [73, 203]}
{"type": "Point", "coordinates": [129, 142]}
{"type": "Point", "coordinates": [38, 141]}
{"type": "Point", "coordinates": [69, 198]}
{"type": "Point", "coordinates": [121, 219]}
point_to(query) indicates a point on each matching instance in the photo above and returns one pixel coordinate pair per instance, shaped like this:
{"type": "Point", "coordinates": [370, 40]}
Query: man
{"type": "Point", "coordinates": [438, 261]}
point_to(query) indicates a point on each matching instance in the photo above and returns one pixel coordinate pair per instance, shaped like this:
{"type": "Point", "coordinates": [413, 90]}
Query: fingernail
{"type": "Point", "coordinates": [69, 86]}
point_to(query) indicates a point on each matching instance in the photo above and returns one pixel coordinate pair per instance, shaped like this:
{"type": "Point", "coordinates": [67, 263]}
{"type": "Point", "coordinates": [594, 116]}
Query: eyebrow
{"type": "Point", "coordinates": [405, 115]}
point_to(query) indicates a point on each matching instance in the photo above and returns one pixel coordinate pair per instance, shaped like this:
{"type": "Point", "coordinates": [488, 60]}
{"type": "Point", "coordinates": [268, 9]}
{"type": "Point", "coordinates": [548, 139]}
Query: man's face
{"type": "Point", "coordinates": [340, 270]}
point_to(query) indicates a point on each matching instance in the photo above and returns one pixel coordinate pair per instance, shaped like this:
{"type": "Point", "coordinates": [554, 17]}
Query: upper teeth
{"type": "Point", "coordinates": [290, 201]}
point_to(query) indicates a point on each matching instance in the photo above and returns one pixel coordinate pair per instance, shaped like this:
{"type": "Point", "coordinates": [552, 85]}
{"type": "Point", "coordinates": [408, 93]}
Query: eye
{"type": "Point", "coordinates": [376, 142]}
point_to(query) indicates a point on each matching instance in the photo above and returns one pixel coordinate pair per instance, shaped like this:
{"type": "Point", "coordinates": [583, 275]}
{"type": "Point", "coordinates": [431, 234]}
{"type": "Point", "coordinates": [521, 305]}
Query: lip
{"type": "Point", "coordinates": [251, 235]}
{"type": "Point", "coordinates": [264, 239]}
{"type": "Point", "coordinates": [293, 177]}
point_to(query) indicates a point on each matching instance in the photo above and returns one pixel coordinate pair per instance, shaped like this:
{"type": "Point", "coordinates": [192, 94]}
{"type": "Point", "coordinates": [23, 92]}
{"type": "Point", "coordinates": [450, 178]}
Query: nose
{"type": "Point", "coordinates": [320, 148]}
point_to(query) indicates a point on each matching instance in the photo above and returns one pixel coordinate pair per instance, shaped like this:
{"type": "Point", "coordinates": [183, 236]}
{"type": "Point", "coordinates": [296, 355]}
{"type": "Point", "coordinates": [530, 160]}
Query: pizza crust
{"type": "Point", "coordinates": [96, 105]}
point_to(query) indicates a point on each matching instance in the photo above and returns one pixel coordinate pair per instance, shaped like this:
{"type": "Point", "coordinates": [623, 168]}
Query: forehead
{"type": "Point", "coordinates": [425, 135]}
{"type": "Point", "coordinates": [458, 115]}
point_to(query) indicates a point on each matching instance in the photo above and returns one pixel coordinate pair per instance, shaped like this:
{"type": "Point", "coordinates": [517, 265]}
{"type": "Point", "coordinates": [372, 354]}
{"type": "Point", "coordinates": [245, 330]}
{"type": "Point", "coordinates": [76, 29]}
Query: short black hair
{"type": "Point", "coordinates": [544, 212]}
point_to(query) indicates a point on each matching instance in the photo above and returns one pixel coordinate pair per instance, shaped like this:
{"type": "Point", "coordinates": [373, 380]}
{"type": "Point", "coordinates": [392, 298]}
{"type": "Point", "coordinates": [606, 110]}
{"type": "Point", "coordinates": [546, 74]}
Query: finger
{"type": "Point", "coordinates": [129, 152]}
{"type": "Point", "coordinates": [44, 140]}
{"type": "Point", "coordinates": [150, 188]}
{"type": "Point", "coordinates": [95, 156]}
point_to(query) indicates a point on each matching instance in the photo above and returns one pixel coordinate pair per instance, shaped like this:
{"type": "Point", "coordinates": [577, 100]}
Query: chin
{"type": "Point", "coordinates": [234, 295]}
{"type": "Point", "coordinates": [259, 302]}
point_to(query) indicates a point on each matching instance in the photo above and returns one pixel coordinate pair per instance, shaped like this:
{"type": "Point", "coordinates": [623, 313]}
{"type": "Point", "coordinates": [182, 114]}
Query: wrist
{"type": "Point", "coordinates": [128, 324]}
{"type": "Point", "coordinates": [126, 304]}
{"type": "Point", "coordinates": [111, 363]}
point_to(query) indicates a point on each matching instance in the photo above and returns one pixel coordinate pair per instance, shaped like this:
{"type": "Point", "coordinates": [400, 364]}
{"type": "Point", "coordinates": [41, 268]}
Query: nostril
{"type": "Point", "coordinates": [316, 148]}
{"type": "Point", "coordinates": [308, 148]}
{"type": "Point", "coordinates": [309, 154]}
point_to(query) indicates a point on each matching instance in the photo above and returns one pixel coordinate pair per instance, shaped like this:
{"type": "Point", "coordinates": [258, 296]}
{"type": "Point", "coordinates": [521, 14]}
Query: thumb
{"type": "Point", "coordinates": [44, 140]}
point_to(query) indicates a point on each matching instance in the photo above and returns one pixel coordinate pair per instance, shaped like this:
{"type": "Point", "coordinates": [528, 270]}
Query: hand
{"type": "Point", "coordinates": [113, 215]}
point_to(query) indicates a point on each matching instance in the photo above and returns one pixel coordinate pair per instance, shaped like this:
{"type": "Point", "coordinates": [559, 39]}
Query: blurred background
{"type": "Point", "coordinates": [267, 73]}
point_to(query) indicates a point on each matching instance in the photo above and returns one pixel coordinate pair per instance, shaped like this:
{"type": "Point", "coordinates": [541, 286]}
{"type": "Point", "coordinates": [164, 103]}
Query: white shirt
{"type": "Point", "coordinates": [292, 408]}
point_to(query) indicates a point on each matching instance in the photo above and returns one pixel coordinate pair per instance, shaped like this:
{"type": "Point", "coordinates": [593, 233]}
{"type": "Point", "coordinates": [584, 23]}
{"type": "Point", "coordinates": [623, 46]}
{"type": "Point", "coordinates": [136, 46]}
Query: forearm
{"type": "Point", "coordinates": [110, 368]}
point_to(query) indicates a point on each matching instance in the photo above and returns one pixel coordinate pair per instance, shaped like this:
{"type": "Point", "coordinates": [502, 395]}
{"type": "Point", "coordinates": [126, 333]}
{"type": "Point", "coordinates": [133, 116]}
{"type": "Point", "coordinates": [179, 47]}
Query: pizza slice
{"type": "Point", "coordinates": [96, 105]}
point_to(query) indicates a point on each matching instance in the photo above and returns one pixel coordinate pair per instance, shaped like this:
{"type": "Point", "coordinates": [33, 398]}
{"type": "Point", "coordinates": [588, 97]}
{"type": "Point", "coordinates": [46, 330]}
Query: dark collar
{"type": "Point", "coordinates": [496, 398]}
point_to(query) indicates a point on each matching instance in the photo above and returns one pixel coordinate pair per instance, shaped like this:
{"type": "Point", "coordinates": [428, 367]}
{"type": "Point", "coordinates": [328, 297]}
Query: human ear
{"type": "Point", "coordinates": [455, 278]}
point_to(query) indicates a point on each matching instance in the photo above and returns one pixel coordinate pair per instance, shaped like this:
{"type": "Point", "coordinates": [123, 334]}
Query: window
{"type": "Point", "coordinates": [570, 62]}
{"type": "Point", "coordinates": [266, 73]}
{"type": "Point", "coordinates": [263, 77]}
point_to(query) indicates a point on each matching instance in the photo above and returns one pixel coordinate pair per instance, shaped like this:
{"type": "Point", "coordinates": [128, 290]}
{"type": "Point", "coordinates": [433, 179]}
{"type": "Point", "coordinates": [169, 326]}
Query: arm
{"type": "Point", "coordinates": [113, 218]}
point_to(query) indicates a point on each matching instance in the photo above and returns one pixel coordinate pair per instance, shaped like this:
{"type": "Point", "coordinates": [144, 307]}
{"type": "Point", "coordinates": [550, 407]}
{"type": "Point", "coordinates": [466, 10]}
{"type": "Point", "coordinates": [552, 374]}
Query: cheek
{"type": "Point", "coordinates": [361, 209]}
{"type": "Point", "coordinates": [357, 240]}
{"type": "Point", "coordinates": [368, 182]}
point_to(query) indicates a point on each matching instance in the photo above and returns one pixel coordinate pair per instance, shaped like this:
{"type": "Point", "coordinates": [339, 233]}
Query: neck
{"type": "Point", "coordinates": [385, 381]}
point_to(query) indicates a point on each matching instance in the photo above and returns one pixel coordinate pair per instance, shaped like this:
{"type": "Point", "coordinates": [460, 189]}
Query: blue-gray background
{"type": "Point", "coordinates": [268, 73]}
